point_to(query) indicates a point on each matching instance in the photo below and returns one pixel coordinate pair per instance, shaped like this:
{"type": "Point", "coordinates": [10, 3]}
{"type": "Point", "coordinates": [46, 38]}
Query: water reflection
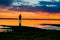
{"type": "Point", "coordinates": [4, 29]}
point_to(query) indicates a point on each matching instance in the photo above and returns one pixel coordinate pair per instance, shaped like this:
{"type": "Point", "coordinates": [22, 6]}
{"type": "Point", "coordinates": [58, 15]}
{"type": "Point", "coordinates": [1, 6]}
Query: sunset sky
{"type": "Point", "coordinates": [32, 15]}
{"type": "Point", "coordinates": [31, 11]}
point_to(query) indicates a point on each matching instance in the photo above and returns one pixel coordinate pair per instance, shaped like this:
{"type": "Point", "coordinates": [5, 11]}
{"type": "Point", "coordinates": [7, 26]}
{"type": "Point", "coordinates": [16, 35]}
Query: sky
{"type": "Point", "coordinates": [54, 6]}
{"type": "Point", "coordinates": [5, 2]}
{"type": "Point", "coordinates": [41, 10]}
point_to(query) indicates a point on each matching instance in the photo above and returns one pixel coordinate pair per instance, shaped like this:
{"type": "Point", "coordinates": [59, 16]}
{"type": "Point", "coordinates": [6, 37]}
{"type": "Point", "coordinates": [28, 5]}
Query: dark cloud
{"type": "Point", "coordinates": [50, 9]}
{"type": "Point", "coordinates": [36, 8]}
{"type": "Point", "coordinates": [5, 2]}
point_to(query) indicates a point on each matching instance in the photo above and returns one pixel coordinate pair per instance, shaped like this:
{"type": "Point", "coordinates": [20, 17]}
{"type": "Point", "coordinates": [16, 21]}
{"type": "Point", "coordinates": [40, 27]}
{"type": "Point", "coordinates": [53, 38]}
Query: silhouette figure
{"type": "Point", "coordinates": [20, 20]}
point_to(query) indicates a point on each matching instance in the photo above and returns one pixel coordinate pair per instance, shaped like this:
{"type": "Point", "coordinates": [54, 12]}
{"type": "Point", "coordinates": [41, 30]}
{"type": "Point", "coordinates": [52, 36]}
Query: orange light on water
{"type": "Point", "coordinates": [39, 15]}
{"type": "Point", "coordinates": [35, 15]}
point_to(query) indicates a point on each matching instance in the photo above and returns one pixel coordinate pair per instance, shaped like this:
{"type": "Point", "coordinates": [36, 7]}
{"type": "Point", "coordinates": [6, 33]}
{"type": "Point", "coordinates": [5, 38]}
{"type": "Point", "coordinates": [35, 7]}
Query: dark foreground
{"type": "Point", "coordinates": [24, 33]}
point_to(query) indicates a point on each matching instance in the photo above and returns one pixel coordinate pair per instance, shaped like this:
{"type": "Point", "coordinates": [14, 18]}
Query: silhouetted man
{"type": "Point", "coordinates": [19, 20]}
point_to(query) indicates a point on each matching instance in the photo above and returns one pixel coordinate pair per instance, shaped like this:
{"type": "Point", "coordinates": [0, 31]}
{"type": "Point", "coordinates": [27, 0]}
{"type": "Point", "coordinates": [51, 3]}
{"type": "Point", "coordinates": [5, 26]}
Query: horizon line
{"type": "Point", "coordinates": [28, 19]}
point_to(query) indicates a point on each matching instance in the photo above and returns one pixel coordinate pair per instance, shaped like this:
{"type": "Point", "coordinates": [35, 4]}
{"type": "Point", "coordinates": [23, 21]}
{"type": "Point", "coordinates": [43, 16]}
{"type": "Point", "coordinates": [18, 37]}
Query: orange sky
{"type": "Point", "coordinates": [42, 15]}
{"type": "Point", "coordinates": [4, 13]}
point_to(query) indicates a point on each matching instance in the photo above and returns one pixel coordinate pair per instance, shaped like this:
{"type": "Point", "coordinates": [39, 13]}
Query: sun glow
{"type": "Point", "coordinates": [38, 15]}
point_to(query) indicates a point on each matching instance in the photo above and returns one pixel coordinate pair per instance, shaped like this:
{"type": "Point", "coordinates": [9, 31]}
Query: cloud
{"type": "Point", "coordinates": [32, 3]}
{"type": "Point", "coordinates": [40, 5]}
{"type": "Point", "coordinates": [27, 2]}
{"type": "Point", "coordinates": [5, 2]}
